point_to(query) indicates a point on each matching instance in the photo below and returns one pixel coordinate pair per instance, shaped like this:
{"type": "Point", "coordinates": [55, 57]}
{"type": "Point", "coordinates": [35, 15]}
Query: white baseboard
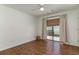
{"type": "Point", "coordinates": [71, 44]}
{"type": "Point", "coordinates": [11, 46]}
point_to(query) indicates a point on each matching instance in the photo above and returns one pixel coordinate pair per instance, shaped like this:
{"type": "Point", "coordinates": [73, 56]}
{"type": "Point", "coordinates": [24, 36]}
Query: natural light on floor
{"type": "Point", "coordinates": [53, 38]}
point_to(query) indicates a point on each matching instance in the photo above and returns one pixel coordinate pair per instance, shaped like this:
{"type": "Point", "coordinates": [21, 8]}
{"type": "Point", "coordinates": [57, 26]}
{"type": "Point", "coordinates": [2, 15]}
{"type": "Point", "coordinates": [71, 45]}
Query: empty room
{"type": "Point", "coordinates": [39, 29]}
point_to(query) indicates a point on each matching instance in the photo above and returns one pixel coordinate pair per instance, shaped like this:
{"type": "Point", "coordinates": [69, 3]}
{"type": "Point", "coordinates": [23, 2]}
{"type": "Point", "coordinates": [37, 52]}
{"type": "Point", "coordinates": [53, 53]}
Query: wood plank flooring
{"type": "Point", "coordinates": [42, 47]}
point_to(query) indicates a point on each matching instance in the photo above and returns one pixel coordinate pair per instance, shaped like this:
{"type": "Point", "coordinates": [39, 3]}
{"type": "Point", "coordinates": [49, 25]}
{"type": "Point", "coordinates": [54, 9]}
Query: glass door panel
{"type": "Point", "coordinates": [53, 32]}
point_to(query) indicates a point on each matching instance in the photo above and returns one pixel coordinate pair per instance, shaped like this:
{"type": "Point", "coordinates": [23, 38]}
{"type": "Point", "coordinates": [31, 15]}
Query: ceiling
{"type": "Point", "coordinates": [33, 9]}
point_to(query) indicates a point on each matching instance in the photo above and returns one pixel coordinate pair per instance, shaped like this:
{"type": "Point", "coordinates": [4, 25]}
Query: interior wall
{"type": "Point", "coordinates": [72, 25]}
{"type": "Point", "coordinates": [39, 26]}
{"type": "Point", "coordinates": [15, 27]}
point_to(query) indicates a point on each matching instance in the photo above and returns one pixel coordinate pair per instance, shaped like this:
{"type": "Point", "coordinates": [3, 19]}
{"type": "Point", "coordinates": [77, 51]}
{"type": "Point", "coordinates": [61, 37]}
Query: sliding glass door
{"type": "Point", "coordinates": [53, 32]}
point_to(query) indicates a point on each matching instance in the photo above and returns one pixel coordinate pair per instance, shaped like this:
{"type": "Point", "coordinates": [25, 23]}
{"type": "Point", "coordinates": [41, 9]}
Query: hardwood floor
{"type": "Point", "coordinates": [42, 47]}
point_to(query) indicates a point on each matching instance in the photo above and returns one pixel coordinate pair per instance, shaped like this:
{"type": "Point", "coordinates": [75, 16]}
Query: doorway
{"type": "Point", "coordinates": [53, 30]}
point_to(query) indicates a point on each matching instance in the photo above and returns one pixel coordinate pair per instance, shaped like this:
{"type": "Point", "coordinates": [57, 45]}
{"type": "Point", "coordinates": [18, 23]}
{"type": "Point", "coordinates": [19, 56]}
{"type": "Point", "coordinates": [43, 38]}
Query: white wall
{"type": "Point", "coordinates": [15, 27]}
{"type": "Point", "coordinates": [73, 28]}
{"type": "Point", "coordinates": [39, 27]}
{"type": "Point", "coordinates": [72, 23]}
